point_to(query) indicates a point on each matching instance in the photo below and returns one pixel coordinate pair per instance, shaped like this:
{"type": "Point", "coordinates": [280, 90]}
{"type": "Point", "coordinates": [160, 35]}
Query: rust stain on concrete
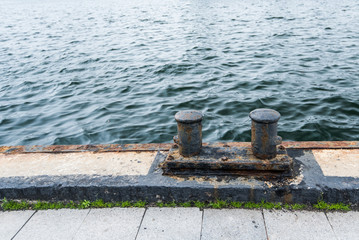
{"type": "Point", "coordinates": [339, 162]}
{"type": "Point", "coordinates": [112, 163]}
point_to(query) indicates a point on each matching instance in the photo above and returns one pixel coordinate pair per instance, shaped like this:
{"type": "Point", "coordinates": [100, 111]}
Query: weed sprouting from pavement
{"type": "Point", "coordinates": [321, 205]}
{"type": "Point", "coordinates": [199, 204]}
{"type": "Point", "coordinates": [185, 204]}
{"type": "Point", "coordinates": [13, 205]}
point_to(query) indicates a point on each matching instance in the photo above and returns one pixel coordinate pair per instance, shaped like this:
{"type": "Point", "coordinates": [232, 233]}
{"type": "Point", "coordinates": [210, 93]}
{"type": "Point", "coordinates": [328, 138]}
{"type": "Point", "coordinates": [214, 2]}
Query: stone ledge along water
{"type": "Point", "coordinates": [321, 173]}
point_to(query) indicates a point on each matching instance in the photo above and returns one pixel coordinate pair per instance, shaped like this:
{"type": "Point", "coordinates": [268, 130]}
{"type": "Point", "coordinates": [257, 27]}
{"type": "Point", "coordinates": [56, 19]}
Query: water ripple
{"type": "Point", "coordinates": [87, 72]}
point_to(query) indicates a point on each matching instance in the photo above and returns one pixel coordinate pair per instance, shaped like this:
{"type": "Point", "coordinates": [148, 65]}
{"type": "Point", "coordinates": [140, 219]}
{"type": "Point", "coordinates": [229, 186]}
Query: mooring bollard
{"type": "Point", "coordinates": [264, 133]}
{"type": "Point", "coordinates": [189, 126]}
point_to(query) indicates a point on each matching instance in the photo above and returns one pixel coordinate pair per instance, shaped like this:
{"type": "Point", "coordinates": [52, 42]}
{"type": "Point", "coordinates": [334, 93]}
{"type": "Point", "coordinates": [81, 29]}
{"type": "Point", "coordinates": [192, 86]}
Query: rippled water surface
{"type": "Point", "coordinates": [81, 72]}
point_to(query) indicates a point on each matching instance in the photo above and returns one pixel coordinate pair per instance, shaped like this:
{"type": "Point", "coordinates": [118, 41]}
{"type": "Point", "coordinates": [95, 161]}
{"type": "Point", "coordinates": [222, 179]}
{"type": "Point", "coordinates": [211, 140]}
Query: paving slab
{"type": "Point", "coordinates": [112, 223]}
{"type": "Point", "coordinates": [345, 225]}
{"type": "Point", "coordinates": [233, 224]}
{"type": "Point", "coordinates": [58, 164]}
{"type": "Point", "coordinates": [297, 225]}
{"type": "Point", "coordinates": [334, 162]}
{"type": "Point", "coordinates": [53, 224]}
{"type": "Point", "coordinates": [171, 223]}
{"type": "Point", "coordinates": [11, 222]}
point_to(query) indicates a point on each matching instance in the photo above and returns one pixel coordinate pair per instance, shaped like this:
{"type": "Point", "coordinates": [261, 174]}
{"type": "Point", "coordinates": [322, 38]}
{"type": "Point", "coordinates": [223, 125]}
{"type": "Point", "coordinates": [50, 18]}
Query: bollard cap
{"type": "Point", "coordinates": [189, 116]}
{"type": "Point", "coordinates": [264, 115]}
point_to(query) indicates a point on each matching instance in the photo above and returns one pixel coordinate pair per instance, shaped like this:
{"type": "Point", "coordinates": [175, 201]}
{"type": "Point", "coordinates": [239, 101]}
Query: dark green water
{"type": "Point", "coordinates": [81, 72]}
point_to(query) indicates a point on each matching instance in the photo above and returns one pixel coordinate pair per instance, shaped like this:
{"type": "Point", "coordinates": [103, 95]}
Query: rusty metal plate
{"type": "Point", "coordinates": [85, 148]}
{"type": "Point", "coordinates": [215, 160]}
{"type": "Point", "coordinates": [165, 147]}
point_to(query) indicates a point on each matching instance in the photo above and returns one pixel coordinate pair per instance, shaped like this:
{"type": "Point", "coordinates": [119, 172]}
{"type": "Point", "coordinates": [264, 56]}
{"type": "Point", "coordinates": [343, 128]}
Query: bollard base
{"type": "Point", "coordinates": [227, 161]}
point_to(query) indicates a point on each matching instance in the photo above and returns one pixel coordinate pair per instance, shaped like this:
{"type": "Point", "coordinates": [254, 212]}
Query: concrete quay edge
{"type": "Point", "coordinates": [328, 171]}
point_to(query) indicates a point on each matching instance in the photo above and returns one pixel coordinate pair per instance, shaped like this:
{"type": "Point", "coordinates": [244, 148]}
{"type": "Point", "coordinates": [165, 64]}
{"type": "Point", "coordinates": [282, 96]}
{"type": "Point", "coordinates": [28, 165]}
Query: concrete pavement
{"type": "Point", "coordinates": [177, 223]}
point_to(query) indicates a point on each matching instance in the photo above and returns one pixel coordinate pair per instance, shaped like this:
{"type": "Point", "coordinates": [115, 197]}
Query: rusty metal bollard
{"type": "Point", "coordinates": [264, 133]}
{"type": "Point", "coordinates": [189, 126]}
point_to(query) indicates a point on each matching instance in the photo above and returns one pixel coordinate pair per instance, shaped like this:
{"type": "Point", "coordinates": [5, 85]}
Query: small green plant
{"type": "Point", "coordinates": [97, 204]}
{"type": "Point", "coordinates": [171, 204]}
{"type": "Point", "coordinates": [267, 205]}
{"type": "Point", "coordinates": [110, 204]}
{"type": "Point", "coordinates": [339, 206]}
{"type": "Point", "coordinates": [199, 204]}
{"type": "Point", "coordinates": [71, 205]}
{"type": "Point", "coordinates": [251, 205]}
{"type": "Point", "coordinates": [14, 205]}
{"type": "Point", "coordinates": [297, 206]}
{"type": "Point", "coordinates": [139, 204]}
{"type": "Point", "coordinates": [3, 202]}
{"type": "Point", "coordinates": [321, 205]}
{"type": "Point", "coordinates": [278, 206]}
{"type": "Point", "coordinates": [185, 204]}
{"type": "Point", "coordinates": [126, 204]}
{"type": "Point", "coordinates": [236, 204]}
{"type": "Point", "coordinates": [160, 204]}
{"type": "Point", "coordinates": [85, 204]}
{"type": "Point", "coordinates": [218, 204]}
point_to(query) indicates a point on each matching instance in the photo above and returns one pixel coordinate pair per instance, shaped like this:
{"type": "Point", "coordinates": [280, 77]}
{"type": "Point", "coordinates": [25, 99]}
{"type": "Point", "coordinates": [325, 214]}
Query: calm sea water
{"type": "Point", "coordinates": [116, 71]}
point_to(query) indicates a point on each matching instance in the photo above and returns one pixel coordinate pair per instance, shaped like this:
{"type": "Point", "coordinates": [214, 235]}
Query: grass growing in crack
{"type": "Point", "coordinates": [47, 205]}
{"type": "Point", "coordinates": [85, 204]}
{"type": "Point", "coordinates": [14, 205]}
{"type": "Point", "coordinates": [267, 205]}
{"type": "Point", "coordinates": [139, 204]}
{"type": "Point", "coordinates": [218, 204]}
{"type": "Point", "coordinates": [297, 206]}
{"type": "Point", "coordinates": [126, 204]}
{"type": "Point", "coordinates": [252, 205]}
{"type": "Point", "coordinates": [8, 205]}
{"type": "Point", "coordinates": [98, 204]}
{"type": "Point", "coordinates": [321, 205]}
{"type": "Point", "coordinates": [185, 204]}
{"type": "Point", "coordinates": [236, 204]}
{"type": "Point", "coordinates": [199, 204]}
{"type": "Point", "coordinates": [160, 204]}
{"type": "Point", "coordinates": [171, 204]}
